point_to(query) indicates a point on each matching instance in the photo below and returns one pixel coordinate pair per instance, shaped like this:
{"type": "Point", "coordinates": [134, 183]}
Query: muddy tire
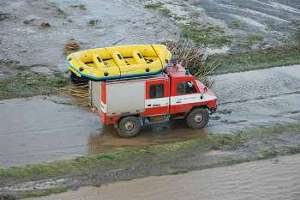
{"type": "Point", "coordinates": [129, 127]}
{"type": "Point", "coordinates": [77, 80]}
{"type": "Point", "coordinates": [197, 118]}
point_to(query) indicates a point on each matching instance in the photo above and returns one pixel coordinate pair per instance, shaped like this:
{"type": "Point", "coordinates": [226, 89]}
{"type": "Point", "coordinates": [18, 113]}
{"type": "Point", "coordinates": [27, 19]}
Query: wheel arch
{"type": "Point", "coordinates": [122, 116]}
{"type": "Point", "coordinates": [196, 107]}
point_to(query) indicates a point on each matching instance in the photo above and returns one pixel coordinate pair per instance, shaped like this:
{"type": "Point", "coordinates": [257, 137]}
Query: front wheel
{"type": "Point", "coordinates": [197, 118]}
{"type": "Point", "coordinates": [129, 126]}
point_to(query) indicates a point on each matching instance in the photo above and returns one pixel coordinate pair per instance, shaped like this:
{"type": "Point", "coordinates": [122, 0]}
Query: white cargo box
{"type": "Point", "coordinates": [122, 97]}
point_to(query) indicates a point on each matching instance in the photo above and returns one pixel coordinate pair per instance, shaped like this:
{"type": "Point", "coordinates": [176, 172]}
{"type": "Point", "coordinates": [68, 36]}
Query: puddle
{"type": "Point", "coordinates": [108, 139]}
{"type": "Point", "coordinates": [43, 128]}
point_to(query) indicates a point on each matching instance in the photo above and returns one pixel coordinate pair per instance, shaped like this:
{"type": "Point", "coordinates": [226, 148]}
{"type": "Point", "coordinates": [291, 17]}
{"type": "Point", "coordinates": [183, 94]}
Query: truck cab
{"type": "Point", "coordinates": [173, 94]}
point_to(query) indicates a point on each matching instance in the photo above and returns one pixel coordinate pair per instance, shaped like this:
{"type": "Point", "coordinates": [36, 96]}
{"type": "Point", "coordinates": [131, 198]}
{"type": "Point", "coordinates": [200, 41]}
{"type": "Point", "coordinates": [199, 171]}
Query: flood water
{"type": "Point", "coordinates": [277, 179]}
{"type": "Point", "coordinates": [46, 128]}
{"type": "Point", "coordinates": [156, 134]}
{"type": "Point", "coordinates": [43, 128]}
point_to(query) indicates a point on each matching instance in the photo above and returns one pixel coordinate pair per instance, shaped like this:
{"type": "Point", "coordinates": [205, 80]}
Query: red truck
{"type": "Point", "coordinates": [173, 94]}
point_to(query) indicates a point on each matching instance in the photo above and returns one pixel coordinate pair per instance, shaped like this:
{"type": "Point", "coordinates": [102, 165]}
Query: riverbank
{"type": "Point", "coordinates": [276, 178]}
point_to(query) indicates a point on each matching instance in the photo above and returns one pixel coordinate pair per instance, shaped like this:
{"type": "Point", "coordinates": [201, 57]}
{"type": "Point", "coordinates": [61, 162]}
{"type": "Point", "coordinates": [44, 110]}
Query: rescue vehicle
{"type": "Point", "coordinates": [129, 104]}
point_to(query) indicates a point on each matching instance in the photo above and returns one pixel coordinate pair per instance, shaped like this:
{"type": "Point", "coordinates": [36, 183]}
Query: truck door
{"type": "Point", "coordinates": [184, 95]}
{"type": "Point", "coordinates": [157, 97]}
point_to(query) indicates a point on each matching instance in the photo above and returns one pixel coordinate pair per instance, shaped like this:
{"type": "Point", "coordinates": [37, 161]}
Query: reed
{"type": "Point", "coordinates": [78, 92]}
{"type": "Point", "coordinates": [192, 58]}
{"type": "Point", "coordinates": [71, 46]}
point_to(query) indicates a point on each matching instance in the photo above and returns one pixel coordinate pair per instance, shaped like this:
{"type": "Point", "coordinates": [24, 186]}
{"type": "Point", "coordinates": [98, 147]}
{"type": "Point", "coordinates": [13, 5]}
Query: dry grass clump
{"type": "Point", "coordinates": [80, 6]}
{"type": "Point", "coordinates": [79, 92]}
{"type": "Point", "coordinates": [192, 58]}
{"type": "Point", "coordinates": [71, 46]}
{"type": "Point", "coordinates": [45, 25]}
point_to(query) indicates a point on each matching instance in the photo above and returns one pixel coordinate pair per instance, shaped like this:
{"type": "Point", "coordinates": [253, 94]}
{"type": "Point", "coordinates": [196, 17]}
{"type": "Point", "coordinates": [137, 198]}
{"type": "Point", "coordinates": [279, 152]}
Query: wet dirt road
{"type": "Point", "coordinates": [48, 128]}
{"type": "Point", "coordinates": [275, 179]}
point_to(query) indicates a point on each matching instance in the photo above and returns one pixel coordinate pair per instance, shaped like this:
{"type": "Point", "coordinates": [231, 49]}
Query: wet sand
{"type": "Point", "coordinates": [274, 179]}
{"type": "Point", "coordinates": [48, 128]}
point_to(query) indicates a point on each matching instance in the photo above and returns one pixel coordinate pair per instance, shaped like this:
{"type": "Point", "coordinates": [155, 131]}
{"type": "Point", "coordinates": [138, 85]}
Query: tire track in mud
{"type": "Point", "coordinates": [260, 98]}
{"type": "Point", "coordinates": [252, 23]}
{"type": "Point", "coordinates": [256, 98]}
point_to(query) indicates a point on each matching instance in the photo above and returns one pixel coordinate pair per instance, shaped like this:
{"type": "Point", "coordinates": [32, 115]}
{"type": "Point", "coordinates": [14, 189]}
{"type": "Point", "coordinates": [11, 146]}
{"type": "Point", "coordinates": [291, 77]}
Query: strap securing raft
{"type": "Point", "coordinates": [162, 65]}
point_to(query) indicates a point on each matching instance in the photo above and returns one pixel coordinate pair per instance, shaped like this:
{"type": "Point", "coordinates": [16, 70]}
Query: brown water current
{"type": "Point", "coordinates": [276, 179]}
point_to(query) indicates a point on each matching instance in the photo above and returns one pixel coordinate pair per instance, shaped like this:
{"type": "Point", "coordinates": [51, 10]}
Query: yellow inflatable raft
{"type": "Point", "coordinates": [119, 61]}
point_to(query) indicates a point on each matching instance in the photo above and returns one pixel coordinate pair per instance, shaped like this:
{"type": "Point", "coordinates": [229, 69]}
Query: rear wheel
{"type": "Point", "coordinates": [129, 126]}
{"type": "Point", "coordinates": [197, 118]}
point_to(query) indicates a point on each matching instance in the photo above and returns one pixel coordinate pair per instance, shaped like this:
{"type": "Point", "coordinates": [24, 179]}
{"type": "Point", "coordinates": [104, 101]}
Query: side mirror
{"type": "Point", "coordinates": [190, 84]}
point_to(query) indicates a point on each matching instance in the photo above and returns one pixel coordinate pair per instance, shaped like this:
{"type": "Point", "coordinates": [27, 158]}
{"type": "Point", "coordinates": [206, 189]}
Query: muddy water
{"type": "Point", "coordinates": [49, 128]}
{"type": "Point", "coordinates": [270, 179]}
{"type": "Point", "coordinates": [168, 132]}
{"type": "Point", "coordinates": [42, 129]}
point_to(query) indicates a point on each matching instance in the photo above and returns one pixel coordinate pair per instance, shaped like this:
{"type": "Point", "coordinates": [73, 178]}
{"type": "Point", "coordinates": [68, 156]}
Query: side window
{"type": "Point", "coordinates": [156, 91]}
{"type": "Point", "coordinates": [185, 88]}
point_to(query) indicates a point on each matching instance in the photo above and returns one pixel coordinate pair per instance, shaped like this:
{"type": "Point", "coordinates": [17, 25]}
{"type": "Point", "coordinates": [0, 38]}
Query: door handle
{"type": "Point", "coordinates": [178, 101]}
{"type": "Point", "coordinates": [154, 105]}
